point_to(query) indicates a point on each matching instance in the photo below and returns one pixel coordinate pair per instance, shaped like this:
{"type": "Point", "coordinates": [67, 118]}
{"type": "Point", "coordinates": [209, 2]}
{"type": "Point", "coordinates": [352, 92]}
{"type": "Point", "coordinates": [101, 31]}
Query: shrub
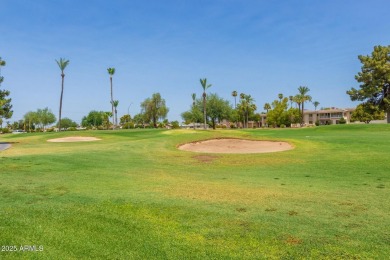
{"type": "Point", "coordinates": [233, 126]}
{"type": "Point", "coordinates": [342, 121]}
{"type": "Point", "coordinates": [51, 129]}
{"type": "Point", "coordinates": [128, 125]}
{"type": "Point", "coordinates": [317, 123]}
{"type": "Point", "coordinates": [282, 126]}
{"type": "Point", "coordinates": [175, 125]}
{"type": "Point", "coordinates": [72, 129]}
{"type": "Point", "coordinates": [5, 130]}
{"type": "Point", "coordinates": [224, 126]}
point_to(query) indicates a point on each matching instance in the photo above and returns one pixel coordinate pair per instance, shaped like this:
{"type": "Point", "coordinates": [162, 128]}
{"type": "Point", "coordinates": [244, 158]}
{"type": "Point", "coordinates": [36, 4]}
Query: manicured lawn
{"type": "Point", "coordinates": [133, 195]}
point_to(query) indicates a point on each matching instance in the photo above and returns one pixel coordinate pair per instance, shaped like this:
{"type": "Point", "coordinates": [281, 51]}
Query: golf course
{"type": "Point", "coordinates": [132, 194]}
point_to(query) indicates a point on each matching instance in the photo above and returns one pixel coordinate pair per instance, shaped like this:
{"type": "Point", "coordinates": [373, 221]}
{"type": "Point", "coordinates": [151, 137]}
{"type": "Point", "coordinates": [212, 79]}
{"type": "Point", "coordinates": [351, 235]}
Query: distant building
{"type": "Point", "coordinates": [324, 116]}
{"type": "Point", "coordinates": [327, 116]}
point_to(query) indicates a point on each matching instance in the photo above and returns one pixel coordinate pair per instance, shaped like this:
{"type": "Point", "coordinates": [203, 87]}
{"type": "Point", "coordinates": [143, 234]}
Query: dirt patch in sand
{"type": "Point", "coordinates": [73, 139]}
{"type": "Point", "coordinates": [236, 146]}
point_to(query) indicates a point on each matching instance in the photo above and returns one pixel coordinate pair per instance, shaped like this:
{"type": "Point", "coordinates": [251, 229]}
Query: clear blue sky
{"type": "Point", "coordinates": [258, 47]}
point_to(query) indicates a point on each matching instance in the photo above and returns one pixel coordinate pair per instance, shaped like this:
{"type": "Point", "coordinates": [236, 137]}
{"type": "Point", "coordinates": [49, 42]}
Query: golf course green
{"type": "Point", "coordinates": [134, 195]}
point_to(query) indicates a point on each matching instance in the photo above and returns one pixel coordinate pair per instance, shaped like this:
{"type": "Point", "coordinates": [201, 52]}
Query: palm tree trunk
{"type": "Point", "coordinates": [62, 94]}
{"type": "Point", "coordinates": [204, 109]}
{"type": "Point", "coordinates": [116, 117]}
{"type": "Point", "coordinates": [112, 106]}
{"type": "Point", "coordinates": [302, 113]}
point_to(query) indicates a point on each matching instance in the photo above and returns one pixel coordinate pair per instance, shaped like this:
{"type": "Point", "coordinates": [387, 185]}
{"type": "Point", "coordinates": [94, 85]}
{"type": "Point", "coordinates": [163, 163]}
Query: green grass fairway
{"type": "Point", "coordinates": [133, 195]}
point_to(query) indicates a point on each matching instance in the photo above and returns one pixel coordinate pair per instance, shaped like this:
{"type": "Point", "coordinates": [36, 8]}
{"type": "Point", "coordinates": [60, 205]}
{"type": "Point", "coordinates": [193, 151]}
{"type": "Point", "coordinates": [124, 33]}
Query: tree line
{"type": "Point", "coordinates": [373, 92]}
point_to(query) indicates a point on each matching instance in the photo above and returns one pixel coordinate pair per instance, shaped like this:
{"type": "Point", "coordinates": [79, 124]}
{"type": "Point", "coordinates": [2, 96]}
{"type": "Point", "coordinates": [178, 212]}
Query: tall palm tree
{"type": "Point", "coordinates": [316, 104]}
{"type": "Point", "coordinates": [111, 72]}
{"type": "Point", "coordinates": [267, 106]}
{"type": "Point", "coordinates": [303, 90]}
{"type": "Point", "coordinates": [280, 95]}
{"type": "Point", "coordinates": [234, 94]}
{"type": "Point", "coordinates": [62, 63]}
{"type": "Point", "coordinates": [203, 82]}
{"type": "Point", "coordinates": [291, 98]}
{"type": "Point", "coordinates": [116, 103]}
{"type": "Point", "coordinates": [193, 95]}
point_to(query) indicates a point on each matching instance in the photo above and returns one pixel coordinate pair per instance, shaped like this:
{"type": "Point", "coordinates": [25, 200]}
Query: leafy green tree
{"type": "Point", "coordinates": [217, 109]}
{"type": "Point", "coordinates": [125, 119]}
{"type": "Point", "coordinates": [62, 63]}
{"type": "Point", "coordinates": [111, 72]}
{"type": "Point", "coordinates": [374, 80]}
{"type": "Point", "coordinates": [66, 123]}
{"type": "Point", "coordinates": [45, 117]}
{"type": "Point", "coordinates": [5, 102]}
{"type": "Point", "coordinates": [279, 115]}
{"type": "Point", "coordinates": [193, 115]}
{"type": "Point", "coordinates": [2, 64]}
{"type": "Point", "coordinates": [5, 105]}
{"type": "Point", "coordinates": [30, 119]}
{"type": "Point", "coordinates": [205, 86]}
{"type": "Point", "coordinates": [93, 119]}
{"type": "Point", "coordinates": [140, 119]}
{"type": "Point", "coordinates": [154, 108]}
{"type": "Point", "coordinates": [367, 112]}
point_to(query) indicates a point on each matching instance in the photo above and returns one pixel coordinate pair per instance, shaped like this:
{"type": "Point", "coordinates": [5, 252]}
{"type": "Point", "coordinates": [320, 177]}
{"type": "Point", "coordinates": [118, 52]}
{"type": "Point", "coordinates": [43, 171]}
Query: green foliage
{"type": "Point", "coordinates": [67, 122]}
{"type": "Point", "coordinates": [5, 130]}
{"type": "Point", "coordinates": [342, 121]}
{"type": "Point", "coordinates": [154, 108]}
{"type": "Point", "coordinates": [217, 109]}
{"type": "Point", "coordinates": [175, 125]}
{"type": "Point", "coordinates": [279, 115]}
{"type": "Point", "coordinates": [40, 119]}
{"type": "Point", "coordinates": [246, 108]}
{"type": "Point", "coordinates": [96, 118]}
{"type": "Point", "coordinates": [367, 112]}
{"type": "Point", "coordinates": [5, 102]}
{"type": "Point", "coordinates": [374, 80]}
{"type": "Point", "coordinates": [317, 123]}
{"type": "Point", "coordinates": [128, 125]}
{"type": "Point", "coordinates": [125, 119]}
{"type": "Point", "coordinates": [72, 128]}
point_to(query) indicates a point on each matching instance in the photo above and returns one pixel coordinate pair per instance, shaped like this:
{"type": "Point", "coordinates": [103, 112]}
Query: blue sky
{"type": "Point", "coordinates": [259, 47]}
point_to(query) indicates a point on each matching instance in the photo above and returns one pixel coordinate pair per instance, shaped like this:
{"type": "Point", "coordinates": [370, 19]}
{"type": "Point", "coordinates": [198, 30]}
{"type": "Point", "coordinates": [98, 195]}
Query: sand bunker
{"type": "Point", "coordinates": [236, 146]}
{"type": "Point", "coordinates": [73, 139]}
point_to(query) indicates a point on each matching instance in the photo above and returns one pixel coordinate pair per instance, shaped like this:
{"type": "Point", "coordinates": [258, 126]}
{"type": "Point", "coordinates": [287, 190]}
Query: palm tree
{"type": "Point", "coordinates": [303, 90]}
{"type": "Point", "coordinates": [267, 106]}
{"type": "Point", "coordinates": [62, 63]}
{"type": "Point", "coordinates": [234, 94]}
{"type": "Point", "coordinates": [193, 95]}
{"type": "Point", "coordinates": [116, 103]}
{"type": "Point", "coordinates": [316, 104]}
{"type": "Point", "coordinates": [280, 95]}
{"type": "Point", "coordinates": [111, 71]}
{"type": "Point", "coordinates": [203, 82]}
{"type": "Point", "coordinates": [291, 98]}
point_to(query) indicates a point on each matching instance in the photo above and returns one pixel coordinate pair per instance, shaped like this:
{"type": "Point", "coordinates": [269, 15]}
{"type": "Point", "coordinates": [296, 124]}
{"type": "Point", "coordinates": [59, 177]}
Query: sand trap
{"type": "Point", "coordinates": [73, 139]}
{"type": "Point", "coordinates": [4, 146]}
{"type": "Point", "coordinates": [236, 146]}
